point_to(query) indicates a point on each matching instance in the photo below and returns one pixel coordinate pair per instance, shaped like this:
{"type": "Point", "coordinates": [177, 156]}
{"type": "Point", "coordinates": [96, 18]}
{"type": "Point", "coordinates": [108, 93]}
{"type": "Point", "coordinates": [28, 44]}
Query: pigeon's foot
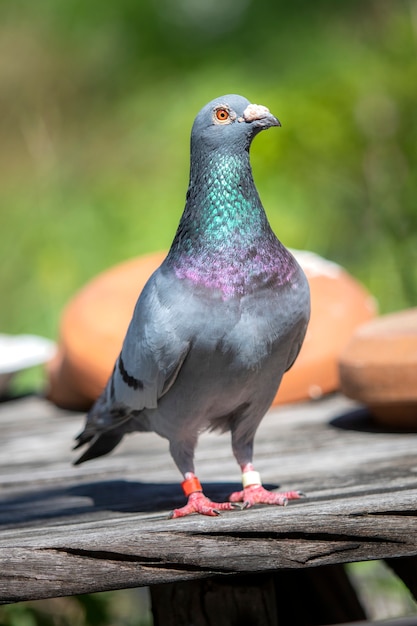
{"type": "Point", "coordinates": [256, 494]}
{"type": "Point", "coordinates": [199, 503]}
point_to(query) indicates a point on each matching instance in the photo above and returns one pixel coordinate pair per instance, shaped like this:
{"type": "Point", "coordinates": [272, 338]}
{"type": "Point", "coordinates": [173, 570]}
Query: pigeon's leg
{"type": "Point", "coordinates": [183, 454]}
{"type": "Point", "coordinates": [253, 492]}
{"type": "Point", "coordinates": [197, 501]}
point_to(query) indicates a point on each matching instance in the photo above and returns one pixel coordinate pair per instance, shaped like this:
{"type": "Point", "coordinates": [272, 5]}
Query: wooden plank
{"type": "Point", "coordinates": [104, 525]}
{"type": "Point", "coordinates": [133, 551]}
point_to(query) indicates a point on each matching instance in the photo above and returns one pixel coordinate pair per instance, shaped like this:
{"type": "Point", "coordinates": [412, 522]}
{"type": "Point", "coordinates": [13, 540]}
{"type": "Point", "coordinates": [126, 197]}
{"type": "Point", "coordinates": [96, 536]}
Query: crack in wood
{"type": "Point", "coordinates": [161, 564]}
{"type": "Point", "coordinates": [299, 536]}
{"type": "Point", "coordinates": [142, 561]}
{"type": "Point", "coordinates": [393, 513]}
{"type": "Point", "coordinates": [106, 555]}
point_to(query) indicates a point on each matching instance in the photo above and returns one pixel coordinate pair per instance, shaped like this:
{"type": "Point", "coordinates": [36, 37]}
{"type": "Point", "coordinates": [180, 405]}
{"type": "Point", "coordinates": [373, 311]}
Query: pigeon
{"type": "Point", "coordinates": [216, 325]}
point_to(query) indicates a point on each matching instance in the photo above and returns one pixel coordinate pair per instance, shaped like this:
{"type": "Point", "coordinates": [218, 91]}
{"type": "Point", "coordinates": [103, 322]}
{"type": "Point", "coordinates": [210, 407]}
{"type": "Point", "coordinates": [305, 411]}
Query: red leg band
{"type": "Point", "coordinates": [190, 485]}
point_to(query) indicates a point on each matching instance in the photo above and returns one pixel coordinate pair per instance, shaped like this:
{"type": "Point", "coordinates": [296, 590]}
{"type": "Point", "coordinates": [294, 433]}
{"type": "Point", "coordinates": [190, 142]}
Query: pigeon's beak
{"type": "Point", "coordinates": [260, 116]}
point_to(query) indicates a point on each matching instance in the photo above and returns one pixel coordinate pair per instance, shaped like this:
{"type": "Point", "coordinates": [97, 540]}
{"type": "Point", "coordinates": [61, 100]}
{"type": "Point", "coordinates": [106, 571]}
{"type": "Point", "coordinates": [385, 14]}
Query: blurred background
{"type": "Point", "coordinates": [97, 100]}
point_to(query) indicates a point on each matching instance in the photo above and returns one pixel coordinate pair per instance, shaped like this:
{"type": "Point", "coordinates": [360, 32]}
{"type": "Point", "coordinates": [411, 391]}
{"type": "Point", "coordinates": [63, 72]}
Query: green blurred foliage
{"type": "Point", "coordinates": [382, 594]}
{"type": "Point", "coordinates": [128, 607]}
{"type": "Point", "coordinates": [97, 101]}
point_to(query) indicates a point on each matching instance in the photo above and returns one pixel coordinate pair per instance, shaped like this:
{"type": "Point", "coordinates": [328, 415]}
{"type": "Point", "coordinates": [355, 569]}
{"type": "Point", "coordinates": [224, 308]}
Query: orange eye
{"type": "Point", "coordinates": [222, 115]}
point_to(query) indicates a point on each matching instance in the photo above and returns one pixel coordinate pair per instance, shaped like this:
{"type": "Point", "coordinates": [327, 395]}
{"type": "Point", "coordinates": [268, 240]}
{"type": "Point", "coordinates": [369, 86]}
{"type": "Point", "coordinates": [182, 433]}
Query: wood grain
{"type": "Point", "coordinates": [104, 525]}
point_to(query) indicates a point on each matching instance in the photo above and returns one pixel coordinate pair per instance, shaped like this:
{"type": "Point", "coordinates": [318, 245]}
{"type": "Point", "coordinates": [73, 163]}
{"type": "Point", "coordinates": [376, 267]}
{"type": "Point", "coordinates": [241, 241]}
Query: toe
{"type": "Point", "coordinates": [237, 496]}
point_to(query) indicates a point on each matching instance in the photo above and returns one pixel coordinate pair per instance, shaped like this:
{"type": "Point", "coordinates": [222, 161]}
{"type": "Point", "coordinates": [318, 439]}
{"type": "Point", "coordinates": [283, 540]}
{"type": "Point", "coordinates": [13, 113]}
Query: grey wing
{"type": "Point", "coordinates": [153, 350]}
{"type": "Point", "coordinates": [152, 354]}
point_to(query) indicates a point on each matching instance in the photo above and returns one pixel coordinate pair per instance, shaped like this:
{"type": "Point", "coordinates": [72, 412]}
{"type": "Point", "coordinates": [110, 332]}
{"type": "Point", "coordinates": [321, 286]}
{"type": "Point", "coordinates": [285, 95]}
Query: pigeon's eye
{"type": "Point", "coordinates": [222, 115]}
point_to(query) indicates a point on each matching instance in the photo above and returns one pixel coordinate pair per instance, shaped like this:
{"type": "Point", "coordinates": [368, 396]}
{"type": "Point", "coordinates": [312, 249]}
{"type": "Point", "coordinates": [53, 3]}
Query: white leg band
{"type": "Point", "coordinates": [251, 478]}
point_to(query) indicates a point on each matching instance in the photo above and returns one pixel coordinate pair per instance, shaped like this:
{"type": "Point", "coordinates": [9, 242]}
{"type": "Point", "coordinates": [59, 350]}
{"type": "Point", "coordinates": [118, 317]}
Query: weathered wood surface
{"type": "Point", "coordinates": [104, 525]}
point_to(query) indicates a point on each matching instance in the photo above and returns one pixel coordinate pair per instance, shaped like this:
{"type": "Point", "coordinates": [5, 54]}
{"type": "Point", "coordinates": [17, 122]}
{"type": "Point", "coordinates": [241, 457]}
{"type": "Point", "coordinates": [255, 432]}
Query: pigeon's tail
{"type": "Point", "coordinates": [101, 445]}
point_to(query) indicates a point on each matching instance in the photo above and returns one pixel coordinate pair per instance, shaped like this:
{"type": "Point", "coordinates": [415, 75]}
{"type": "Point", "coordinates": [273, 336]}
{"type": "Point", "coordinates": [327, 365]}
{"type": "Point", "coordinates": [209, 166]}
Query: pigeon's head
{"type": "Point", "coordinates": [230, 122]}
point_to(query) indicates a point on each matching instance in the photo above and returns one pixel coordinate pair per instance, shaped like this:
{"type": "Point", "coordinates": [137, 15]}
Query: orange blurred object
{"type": "Point", "coordinates": [95, 321]}
{"type": "Point", "coordinates": [379, 368]}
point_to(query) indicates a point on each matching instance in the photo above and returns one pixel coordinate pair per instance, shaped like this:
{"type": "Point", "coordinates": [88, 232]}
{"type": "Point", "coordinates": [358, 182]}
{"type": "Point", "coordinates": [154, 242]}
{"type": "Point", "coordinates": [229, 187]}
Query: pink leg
{"type": "Point", "coordinates": [256, 494]}
{"type": "Point", "coordinates": [197, 501]}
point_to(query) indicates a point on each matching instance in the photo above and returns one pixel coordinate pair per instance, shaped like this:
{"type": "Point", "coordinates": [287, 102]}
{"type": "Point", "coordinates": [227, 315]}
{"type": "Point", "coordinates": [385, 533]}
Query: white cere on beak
{"type": "Point", "coordinates": [255, 112]}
